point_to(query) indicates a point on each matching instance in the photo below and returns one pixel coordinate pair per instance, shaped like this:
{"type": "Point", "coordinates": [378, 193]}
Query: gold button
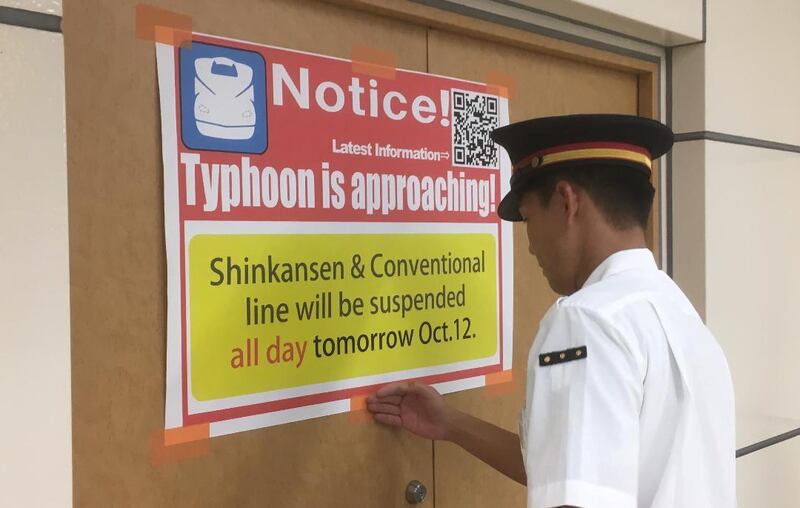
{"type": "Point", "coordinates": [578, 352]}
{"type": "Point", "coordinates": [546, 359]}
{"type": "Point", "coordinates": [562, 355]}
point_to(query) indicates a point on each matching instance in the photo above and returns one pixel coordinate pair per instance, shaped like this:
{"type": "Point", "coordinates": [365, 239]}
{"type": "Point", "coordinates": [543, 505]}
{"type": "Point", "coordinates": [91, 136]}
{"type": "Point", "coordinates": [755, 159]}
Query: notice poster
{"type": "Point", "coordinates": [328, 230]}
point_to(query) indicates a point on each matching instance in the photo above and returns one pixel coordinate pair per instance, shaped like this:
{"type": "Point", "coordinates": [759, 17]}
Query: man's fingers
{"type": "Point", "coordinates": [393, 393]}
{"type": "Point", "coordinates": [391, 420]}
{"type": "Point", "coordinates": [377, 407]}
{"type": "Point", "coordinates": [389, 399]}
{"type": "Point", "coordinates": [396, 389]}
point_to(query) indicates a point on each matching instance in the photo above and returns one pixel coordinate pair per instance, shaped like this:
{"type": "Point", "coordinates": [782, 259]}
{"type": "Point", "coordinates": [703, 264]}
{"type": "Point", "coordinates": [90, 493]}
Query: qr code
{"type": "Point", "coordinates": [474, 117]}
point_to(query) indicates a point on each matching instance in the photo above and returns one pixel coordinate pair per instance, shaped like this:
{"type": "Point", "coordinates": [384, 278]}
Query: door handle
{"type": "Point", "coordinates": [416, 492]}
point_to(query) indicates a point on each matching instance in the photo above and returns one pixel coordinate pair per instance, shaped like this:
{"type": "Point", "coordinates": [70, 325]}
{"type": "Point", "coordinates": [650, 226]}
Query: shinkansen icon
{"type": "Point", "coordinates": [224, 106]}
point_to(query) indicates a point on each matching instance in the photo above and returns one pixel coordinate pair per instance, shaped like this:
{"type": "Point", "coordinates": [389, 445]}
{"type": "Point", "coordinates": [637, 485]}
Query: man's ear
{"type": "Point", "coordinates": [568, 199]}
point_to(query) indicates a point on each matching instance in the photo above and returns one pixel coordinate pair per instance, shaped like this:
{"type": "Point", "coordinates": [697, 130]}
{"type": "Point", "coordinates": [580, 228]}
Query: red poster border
{"type": "Point", "coordinates": [312, 399]}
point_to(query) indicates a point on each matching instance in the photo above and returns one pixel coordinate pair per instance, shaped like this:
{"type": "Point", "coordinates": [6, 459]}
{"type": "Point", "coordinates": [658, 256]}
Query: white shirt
{"type": "Point", "coordinates": [644, 415]}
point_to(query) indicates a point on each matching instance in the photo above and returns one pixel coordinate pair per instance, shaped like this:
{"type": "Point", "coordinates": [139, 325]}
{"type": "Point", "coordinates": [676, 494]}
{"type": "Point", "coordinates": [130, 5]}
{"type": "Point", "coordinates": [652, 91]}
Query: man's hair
{"type": "Point", "coordinates": [623, 195]}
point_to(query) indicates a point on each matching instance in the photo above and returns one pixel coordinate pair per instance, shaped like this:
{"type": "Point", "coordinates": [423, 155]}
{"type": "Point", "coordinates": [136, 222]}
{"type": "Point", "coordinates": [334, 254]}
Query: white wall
{"type": "Point", "coordinates": [44, 6]}
{"type": "Point", "coordinates": [752, 297]}
{"type": "Point", "coordinates": [682, 17]}
{"type": "Point", "coordinates": [743, 270]}
{"type": "Point", "coordinates": [665, 22]}
{"type": "Point", "coordinates": [35, 427]}
{"type": "Point", "coordinates": [689, 242]}
{"type": "Point", "coordinates": [752, 71]}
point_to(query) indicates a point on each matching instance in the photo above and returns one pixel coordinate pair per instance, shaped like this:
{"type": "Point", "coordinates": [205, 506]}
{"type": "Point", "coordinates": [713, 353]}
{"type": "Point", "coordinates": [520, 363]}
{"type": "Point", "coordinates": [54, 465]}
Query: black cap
{"type": "Point", "coordinates": [541, 144]}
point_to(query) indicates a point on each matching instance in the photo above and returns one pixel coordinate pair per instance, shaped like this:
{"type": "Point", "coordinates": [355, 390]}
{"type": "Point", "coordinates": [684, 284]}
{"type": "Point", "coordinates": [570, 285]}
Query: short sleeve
{"type": "Point", "coordinates": [582, 426]}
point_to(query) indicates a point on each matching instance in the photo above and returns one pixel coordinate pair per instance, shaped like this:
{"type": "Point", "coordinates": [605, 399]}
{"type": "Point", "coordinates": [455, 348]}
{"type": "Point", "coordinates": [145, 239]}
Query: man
{"type": "Point", "coordinates": [629, 401]}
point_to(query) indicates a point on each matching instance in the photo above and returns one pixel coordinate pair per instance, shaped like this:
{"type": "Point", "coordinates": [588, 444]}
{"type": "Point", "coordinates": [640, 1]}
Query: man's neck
{"type": "Point", "coordinates": [604, 245]}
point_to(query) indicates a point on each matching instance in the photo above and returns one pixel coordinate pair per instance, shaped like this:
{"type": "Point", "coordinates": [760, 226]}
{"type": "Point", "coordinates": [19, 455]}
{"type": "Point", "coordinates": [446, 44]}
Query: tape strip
{"type": "Point", "coordinates": [358, 409]}
{"type": "Point", "coordinates": [160, 25]}
{"type": "Point", "coordinates": [500, 83]}
{"type": "Point", "coordinates": [499, 384]}
{"type": "Point", "coordinates": [186, 434]}
{"type": "Point", "coordinates": [374, 62]}
{"type": "Point", "coordinates": [496, 378]}
{"type": "Point", "coordinates": [176, 445]}
{"type": "Point", "coordinates": [358, 403]}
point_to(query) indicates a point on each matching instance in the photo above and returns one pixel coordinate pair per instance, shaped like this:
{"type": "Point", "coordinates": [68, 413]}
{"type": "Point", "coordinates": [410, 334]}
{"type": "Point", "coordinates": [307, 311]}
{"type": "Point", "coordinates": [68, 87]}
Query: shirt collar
{"type": "Point", "coordinates": [621, 261]}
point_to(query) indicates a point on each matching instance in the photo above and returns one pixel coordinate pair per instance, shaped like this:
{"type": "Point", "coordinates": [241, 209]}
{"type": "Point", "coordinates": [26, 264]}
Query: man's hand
{"type": "Point", "coordinates": [420, 409]}
{"type": "Point", "coordinates": [413, 406]}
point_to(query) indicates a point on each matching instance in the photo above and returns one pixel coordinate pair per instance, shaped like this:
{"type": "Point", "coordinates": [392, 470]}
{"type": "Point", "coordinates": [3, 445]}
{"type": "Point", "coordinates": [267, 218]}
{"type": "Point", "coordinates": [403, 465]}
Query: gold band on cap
{"type": "Point", "coordinates": [586, 151]}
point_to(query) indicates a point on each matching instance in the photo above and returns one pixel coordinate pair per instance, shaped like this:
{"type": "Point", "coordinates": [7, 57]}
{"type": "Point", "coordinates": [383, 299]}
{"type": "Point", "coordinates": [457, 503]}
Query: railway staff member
{"type": "Point", "coordinates": [629, 401]}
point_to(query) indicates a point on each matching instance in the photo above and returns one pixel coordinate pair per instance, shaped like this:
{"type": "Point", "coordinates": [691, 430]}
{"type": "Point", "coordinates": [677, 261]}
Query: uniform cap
{"type": "Point", "coordinates": [627, 142]}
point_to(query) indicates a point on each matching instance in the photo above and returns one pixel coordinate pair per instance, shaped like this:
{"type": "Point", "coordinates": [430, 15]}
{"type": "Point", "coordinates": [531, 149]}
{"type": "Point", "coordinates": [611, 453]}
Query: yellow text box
{"type": "Point", "coordinates": [274, 311]}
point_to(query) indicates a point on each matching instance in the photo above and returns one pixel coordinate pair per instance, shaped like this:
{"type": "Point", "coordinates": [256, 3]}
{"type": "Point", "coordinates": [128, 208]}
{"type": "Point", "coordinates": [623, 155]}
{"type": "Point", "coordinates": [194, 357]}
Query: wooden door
{"type": "Point", "coordinates": [118, 269]}
{"type": "Point", "coordinates": [118, 274]}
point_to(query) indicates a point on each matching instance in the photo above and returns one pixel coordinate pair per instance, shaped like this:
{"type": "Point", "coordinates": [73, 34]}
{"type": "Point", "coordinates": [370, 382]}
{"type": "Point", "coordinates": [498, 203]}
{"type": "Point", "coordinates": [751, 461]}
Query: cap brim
{"type": "Point", "coordinates": [521, 139]}
{"type": "Point", "coordinates": [509, 207]}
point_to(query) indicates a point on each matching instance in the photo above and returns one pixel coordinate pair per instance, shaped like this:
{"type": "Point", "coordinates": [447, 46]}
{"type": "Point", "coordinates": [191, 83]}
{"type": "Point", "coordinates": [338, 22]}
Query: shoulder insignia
{"type": "Point", "coordinates": [567, 355]}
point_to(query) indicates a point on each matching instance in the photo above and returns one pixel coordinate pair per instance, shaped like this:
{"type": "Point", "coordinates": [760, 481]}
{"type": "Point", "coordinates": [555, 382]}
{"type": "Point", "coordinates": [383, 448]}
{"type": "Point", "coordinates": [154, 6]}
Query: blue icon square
{"type": "Point", "coordinates": [223, 99]}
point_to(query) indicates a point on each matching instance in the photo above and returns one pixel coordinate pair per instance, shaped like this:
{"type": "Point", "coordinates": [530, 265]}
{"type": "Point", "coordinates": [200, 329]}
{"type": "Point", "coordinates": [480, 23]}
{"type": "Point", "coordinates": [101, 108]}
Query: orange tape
{"type": "Point", "coordinates": [162, 453]}
{"type": "Point", "coordinates": [161, 25]}
{"type": "Point", "coordinates": [499, 383]}
{"type": "Point", "coordinates": [374, 62]}
{"type": "Point", "coordinates": [358, 403]}
{"type": "Point", "coordinates": [358, 409]}
{"type": "Point", "coordinates": [496, 378]}
{"type": "Point", "coordinates": [187, 434]}
{"type": "Point", "coordinates": [500, 83]}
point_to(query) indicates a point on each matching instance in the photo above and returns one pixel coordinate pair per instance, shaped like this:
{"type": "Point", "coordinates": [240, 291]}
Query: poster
{"type": "Point", "coordinates": [328, 230]}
